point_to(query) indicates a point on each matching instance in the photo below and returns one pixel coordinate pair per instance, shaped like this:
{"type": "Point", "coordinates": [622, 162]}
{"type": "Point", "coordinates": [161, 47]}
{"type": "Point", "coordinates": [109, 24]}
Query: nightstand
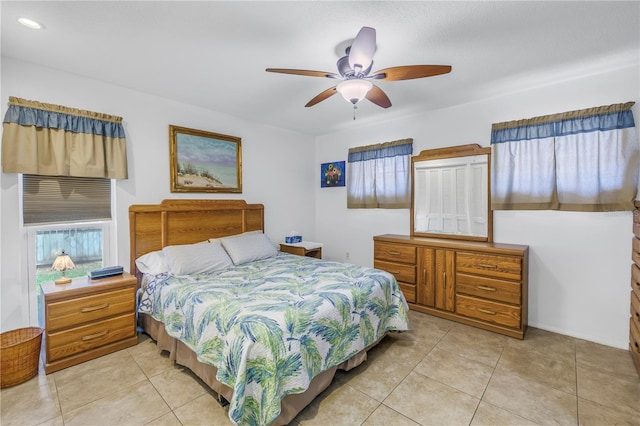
{"type": "Point", "coordinates": [304, 248]}
{"type": "Point", "coordinates": [86, 319]}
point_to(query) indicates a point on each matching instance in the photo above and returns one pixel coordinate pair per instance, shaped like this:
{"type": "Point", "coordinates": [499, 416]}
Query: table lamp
{"type": "Point", "coordinates": [62, 263]}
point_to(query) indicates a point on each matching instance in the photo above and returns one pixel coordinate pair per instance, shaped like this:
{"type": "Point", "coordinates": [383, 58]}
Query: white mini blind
{"type": "Point", "coordinates": [61, 199]}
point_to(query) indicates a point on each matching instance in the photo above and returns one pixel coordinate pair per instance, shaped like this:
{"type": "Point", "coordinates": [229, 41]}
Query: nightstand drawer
{"type": "Point", "coordinates": [494, 312]}
{"type": "Point", "coordinates": [69, 313]}
{"type": "Point", "coordinates": [405, 273]}
{"type": "Point", "coordinates": [487, 264]}
{"type": "Point", "coordinates": [489, 288]}
{"type": "Point", "coordinates": [394, 252]}
{"type": "Point", "coordinates": [70, 342]}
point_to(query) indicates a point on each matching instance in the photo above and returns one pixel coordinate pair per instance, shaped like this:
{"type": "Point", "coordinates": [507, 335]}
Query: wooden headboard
{"type": "Point", "coordinates": [154, 226]}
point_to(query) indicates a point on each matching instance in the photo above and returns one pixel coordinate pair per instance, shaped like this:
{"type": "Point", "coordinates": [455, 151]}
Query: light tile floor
{"type": "Point", "coordinates": [441, 373]}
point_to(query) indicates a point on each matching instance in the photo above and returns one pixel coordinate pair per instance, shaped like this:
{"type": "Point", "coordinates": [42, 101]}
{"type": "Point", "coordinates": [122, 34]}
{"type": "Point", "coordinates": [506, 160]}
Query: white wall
{"type": "Point", "coordinates": [278, 167]}
{"type": "Point", "coordinates": [579, 278]}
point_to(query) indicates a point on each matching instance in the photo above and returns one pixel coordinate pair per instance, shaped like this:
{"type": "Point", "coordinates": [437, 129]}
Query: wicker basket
{"type": "Point", "coordinates": [19, 355]}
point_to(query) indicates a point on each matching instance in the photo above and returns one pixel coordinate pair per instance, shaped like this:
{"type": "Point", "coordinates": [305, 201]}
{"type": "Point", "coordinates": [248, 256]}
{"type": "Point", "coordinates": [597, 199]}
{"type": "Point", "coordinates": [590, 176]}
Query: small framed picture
{"type": "Point", "coordinates": [332, 174]}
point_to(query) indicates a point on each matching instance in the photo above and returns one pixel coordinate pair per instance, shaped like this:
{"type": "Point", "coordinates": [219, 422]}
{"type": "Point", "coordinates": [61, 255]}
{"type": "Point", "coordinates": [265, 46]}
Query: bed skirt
{"type": "Point", "coordinates": [291, 405]}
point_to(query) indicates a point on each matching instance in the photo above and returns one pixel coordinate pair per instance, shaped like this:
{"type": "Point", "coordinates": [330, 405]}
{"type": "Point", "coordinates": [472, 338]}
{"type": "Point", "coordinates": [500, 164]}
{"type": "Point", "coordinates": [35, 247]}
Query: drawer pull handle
{"type": "Point", "coordinates": [393, 253]}
{"type": "Point", "coordinates": [395, 272]}
{"type": "Point", "coordinates": [487, 266]}
{"type": "Point", "coordinates": [94, 308]}
{"type": "Point", "coordinates": [486, 288]}
{"type": "Point", "coordinates": [486, 311]}
{"type": "Point", "coordinates": [95, 336]}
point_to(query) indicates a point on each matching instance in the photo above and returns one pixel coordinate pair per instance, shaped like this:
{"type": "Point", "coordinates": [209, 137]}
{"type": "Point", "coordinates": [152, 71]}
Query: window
{"type": "Point", "coordinates": [583, 160]}
{"type": "Point", "coordinates": [379, 176]}
{"type": "Point", "coordinates": [65, 213]}
{"type": "Point", "coordinates": [86, 243]}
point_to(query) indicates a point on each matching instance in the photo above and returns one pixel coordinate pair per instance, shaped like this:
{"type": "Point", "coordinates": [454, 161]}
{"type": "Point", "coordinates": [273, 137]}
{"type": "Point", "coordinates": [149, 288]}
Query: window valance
{"type": "Point", "coordinates": [53, 140]}
{"type": "Point", "coordinates": [585, 160]}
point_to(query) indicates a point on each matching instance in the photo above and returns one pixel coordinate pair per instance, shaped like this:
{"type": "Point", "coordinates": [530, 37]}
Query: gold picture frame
{"type": "Point", "coordinates": [204, 161]}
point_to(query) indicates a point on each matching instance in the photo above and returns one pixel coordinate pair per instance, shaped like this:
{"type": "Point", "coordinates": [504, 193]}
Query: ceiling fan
{"type": "Point", "coordinates": [355, 72]}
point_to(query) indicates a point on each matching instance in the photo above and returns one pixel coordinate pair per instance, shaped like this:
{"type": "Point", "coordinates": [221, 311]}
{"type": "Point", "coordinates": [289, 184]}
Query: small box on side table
{"type": "Point", "coordinates": [86, 319]}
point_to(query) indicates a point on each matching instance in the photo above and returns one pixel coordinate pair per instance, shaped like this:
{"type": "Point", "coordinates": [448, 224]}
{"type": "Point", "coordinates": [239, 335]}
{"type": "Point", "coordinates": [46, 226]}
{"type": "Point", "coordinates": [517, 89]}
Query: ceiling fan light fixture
{"type": "Point", "coordinates": [354, 90]}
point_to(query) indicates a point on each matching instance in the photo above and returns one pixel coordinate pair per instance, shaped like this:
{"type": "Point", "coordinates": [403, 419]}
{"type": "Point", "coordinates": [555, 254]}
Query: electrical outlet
{"type": "Point", "coordinates": [346, 256]}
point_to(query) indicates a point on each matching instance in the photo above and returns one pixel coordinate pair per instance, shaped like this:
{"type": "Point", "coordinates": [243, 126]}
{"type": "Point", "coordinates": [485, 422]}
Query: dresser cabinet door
{"type": "Point", "coordinates": [436, 278]}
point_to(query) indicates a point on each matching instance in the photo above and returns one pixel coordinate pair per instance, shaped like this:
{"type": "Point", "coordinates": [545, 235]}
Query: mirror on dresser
{"type": "Point", "coordinates": [451, 193]}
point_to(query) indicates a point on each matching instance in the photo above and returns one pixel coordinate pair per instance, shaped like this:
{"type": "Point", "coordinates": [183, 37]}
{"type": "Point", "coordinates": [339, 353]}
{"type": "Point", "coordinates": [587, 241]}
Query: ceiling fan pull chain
{"type": "Point", "coordinates": [354, 111]}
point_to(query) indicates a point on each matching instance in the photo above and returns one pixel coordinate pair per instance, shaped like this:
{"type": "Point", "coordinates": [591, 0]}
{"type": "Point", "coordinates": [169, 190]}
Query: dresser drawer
{"type": "Point", "coordinates": [404, 273]}
{"type": "Point", "coordinates": [409, 292]}
{"type": "Point", "coordinates": [69, 313]}
{"type": "Point", "coordinates": [76, 340]}
{"type": "Point", "coordinates": [635, 309]}
{"type": "Point", "coordinates": [489, 288]}
{"type": "Point", "coordinates": [493, 312]}
{"type": "Point", "coordinates": [508, 267]}
{"type": "Point", "coordinates": [394, 252]}
{"type": "Point", "coordinates": [634, 338]}
{"type": "Point", "coordinates": [635, 279]}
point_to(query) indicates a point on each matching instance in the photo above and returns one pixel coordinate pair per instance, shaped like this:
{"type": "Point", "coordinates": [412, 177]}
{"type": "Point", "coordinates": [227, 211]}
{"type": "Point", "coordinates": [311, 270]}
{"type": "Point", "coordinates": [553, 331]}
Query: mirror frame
{"type": "Point", "coordinates": [452, 152]}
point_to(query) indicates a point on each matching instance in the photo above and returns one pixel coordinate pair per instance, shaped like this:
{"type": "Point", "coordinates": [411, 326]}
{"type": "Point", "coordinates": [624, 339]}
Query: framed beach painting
{"type": "Point", "coordinates": [332, 174]}
{"type": "Point", "coordinates": [204, 161]}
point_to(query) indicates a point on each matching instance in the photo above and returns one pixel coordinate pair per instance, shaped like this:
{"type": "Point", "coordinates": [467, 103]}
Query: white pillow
{"type": "Point", "coordinates": [199, 258]}
{"type": "Point", "coordinates": [213, 240]}
{"type": "Point", "coordinates": [152, 263]}
{"type": "Point", "coordinates": [249, 247]}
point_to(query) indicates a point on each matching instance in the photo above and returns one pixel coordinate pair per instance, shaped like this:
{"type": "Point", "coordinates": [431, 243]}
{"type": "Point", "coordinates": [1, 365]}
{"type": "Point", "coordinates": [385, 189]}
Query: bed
{"type": "Point", "coordinates": [265, 330]}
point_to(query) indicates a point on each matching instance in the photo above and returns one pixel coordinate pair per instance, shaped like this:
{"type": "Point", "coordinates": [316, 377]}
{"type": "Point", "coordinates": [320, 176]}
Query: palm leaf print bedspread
{"type": "Point", "coordinates": [270, 326]}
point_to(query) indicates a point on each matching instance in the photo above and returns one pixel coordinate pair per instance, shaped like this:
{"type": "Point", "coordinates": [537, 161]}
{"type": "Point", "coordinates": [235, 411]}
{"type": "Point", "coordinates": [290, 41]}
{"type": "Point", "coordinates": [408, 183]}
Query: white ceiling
{"type": "Point", "coordinates": [214, 54]}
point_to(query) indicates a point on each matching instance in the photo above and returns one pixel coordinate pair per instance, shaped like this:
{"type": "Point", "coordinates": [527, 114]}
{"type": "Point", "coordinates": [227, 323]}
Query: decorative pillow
{"type": "Point", "coordinates": [199, 258]}
{"type": "Point", "coordinates": [152, 263]}
{"type": "Point", "coordinates": [213, 240]}
{"type": "Point", "coordinates": [249, 247]}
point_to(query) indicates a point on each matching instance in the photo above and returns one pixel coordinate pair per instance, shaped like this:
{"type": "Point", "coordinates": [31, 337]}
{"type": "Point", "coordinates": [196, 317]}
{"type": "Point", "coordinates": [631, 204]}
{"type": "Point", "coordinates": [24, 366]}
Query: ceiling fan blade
{"type": "Point", "coordinates": [408, 72]}
{"type": "Point", "coordinates": [304, 72]}
{"type": "Point", "coordinates": [378, 97]}
{"type": "Point", "coordinates": [362, 49]}
{"type": "Point", "coordinates": [322, 96]}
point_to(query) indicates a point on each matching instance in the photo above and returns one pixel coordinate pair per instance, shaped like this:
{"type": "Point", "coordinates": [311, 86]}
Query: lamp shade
{"type": "Point", "coordinates": [354, 90]}
{"type": "Point", "coordinates": [62, 263]}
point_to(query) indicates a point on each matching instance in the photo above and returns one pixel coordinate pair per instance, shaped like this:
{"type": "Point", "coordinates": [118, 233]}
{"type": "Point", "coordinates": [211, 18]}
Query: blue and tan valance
{"type": "Point", "coordinates": [53, 140]}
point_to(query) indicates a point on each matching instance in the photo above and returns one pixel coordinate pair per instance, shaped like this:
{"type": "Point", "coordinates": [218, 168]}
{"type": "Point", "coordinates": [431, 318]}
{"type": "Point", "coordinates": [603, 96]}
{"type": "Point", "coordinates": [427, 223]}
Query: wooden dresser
{"type": "Point", "coordinates": [476, 283]}
{"type": "Point", "coordinates": [86, 319]}
{"type": "Point", "coordinates": [634, 320]}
